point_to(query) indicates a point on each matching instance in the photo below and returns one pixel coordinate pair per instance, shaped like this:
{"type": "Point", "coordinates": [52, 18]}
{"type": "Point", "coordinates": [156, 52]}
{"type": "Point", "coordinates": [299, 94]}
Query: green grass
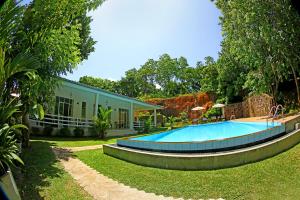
{"type": "Point", "coordinates": [274, 178]}
{"type": "Point", "coordinates": [43, 177]}
{"type": "Point", "coordinates": [75, 142]}
{"type": "Point", "coordinates": [83, 141]}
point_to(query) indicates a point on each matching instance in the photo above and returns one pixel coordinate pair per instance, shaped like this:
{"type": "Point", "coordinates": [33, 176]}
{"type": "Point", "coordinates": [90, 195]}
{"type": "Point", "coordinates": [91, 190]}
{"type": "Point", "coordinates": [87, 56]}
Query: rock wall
{"type": "Point", "coordinates": [254, 106]}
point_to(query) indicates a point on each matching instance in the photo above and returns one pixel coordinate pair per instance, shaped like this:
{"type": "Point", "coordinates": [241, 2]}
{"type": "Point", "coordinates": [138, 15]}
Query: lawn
{"type": "Point", "coordinates": [274, 178]}
{"type": "Point", "coordinates": [43, 177]}
{"type": "Point", "coordinates": [83, 141]}
{"type": "Point", "coordinates": [75, 142]}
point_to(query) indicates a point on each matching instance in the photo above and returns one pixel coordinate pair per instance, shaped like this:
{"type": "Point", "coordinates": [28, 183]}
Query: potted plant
{"type": "Point", "coordinates": [8, 157]}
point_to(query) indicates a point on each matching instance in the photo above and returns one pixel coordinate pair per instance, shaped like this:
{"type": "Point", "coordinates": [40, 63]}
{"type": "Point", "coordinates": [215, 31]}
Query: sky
{"type": "Point", "coordinates": [129, 32]}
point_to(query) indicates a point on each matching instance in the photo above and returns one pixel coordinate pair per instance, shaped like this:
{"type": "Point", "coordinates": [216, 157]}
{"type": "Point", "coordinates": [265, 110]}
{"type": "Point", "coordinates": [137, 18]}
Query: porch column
{"type": "Point", "coordinates": [96, 105]}
{"type": "Point", "coordinates": [131, 117]}
{"type": "Point", "coordinates": [155, 118]}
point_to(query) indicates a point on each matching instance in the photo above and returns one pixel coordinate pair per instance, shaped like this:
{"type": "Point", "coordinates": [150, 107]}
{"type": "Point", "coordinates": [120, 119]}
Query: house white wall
{"type": "Point", "coordinates": [80, 93]}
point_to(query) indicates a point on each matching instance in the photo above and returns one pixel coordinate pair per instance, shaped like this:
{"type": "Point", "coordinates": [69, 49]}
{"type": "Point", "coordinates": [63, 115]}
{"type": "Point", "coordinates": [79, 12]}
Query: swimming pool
{"type": "Point", "coordinates": [206, 137]}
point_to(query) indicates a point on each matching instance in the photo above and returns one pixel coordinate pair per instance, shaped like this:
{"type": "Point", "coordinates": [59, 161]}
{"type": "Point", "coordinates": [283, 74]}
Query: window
{"type": "Point", "coordinates": [63, 106]}
{"type": "Point", "coordinates": [83, 109]}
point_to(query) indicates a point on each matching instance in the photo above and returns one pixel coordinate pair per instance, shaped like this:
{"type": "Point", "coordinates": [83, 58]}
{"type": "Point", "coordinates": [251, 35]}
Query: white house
{"type": "Point", "coordinates": [76, 104]}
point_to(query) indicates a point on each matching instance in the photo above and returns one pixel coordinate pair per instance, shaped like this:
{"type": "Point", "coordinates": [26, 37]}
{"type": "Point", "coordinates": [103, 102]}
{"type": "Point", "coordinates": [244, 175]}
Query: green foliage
{"type": "Point", "coordinates": [172, 121]}
{"type": "Point", "coordinates": [101, 122]}
{"type": "Point", "coordinates": [78, 132]}
{"type": "Point", "coordinates": [183, 116]}
{"type": "Point", "coordinates": [47, 131]}
{"type": "Point", "coordinates": [163, 121]}
{"type": "Point", "coordinates": [37, 44]}
{"type": "Point", "coordinates": [100, 83]}
{"type": "Point", "coordinates": [8, 147]}
{"type": "Point", "coordinates": [147, 125]}
{"type": "Point", "coordinates": [64, 132]}
{"type": "Point", "coordinates": [36, 130]}
{"type": "Point", "coordinates": [260, 47]}
{"type": "Point", "coordinates": [213, 112]}
{"type": "Point", "coordinates": [164, 77]}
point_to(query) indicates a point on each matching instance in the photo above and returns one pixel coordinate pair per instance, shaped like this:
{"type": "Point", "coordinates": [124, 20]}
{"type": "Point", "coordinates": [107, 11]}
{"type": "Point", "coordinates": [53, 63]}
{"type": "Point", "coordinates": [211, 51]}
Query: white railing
{"type": "Point", "coordinates": [60, 121]}
{"type": "Point", "coordinates": [141, 124]}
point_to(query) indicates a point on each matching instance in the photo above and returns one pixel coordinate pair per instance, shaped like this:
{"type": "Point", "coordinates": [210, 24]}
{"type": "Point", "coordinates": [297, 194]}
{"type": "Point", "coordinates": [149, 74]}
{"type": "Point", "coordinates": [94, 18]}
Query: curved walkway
{"type": "Point", "coordinates": [97, 185]}
{"type": "Point", "coordinates": [74, 149]}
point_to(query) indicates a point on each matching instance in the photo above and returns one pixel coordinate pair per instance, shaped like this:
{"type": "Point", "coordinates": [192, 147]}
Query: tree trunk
{"type": "Point", "coordinates": [26, 132]}
{"type": "Point", "coordinates": [296, 83]}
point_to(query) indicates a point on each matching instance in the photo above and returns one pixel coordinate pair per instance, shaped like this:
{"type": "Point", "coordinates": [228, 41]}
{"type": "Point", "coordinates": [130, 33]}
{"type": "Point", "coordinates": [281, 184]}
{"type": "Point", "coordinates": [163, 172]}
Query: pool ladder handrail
{"type": "Point", "coordinates": [232, 117]}
{"type": "Point", "coordinates": [277, 109]}
{"type": "Point", "coordinates": [275, 113]}
{"type": "Point", "coordinates": [271, 111]}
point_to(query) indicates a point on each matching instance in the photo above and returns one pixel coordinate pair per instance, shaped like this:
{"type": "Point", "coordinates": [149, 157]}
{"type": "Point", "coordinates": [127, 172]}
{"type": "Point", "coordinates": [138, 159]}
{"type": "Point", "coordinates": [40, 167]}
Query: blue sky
{"type": "Point", "coordinates": [129, 32]}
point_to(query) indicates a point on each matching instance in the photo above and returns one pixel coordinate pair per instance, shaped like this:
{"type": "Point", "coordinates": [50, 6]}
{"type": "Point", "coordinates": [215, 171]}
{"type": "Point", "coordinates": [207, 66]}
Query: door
{"type": "Point", "coordinates": [123, 118]}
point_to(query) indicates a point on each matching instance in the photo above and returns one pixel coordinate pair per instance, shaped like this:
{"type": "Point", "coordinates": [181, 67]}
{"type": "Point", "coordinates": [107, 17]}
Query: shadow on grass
{"type": "Point", "coordinates": [40, 167]}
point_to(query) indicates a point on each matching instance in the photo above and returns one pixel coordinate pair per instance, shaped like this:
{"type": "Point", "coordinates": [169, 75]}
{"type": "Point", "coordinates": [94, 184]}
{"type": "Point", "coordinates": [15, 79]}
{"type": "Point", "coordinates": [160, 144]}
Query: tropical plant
{"type": "Point", "coordinates": [213, 112]}
{"type": "Point", "coordinates": [36, 37]}
{"type": "Point", "coordinates": [101, 122]}
{"type": "Point", "coordinates": [172, 121]}
{"type": "Point", "coordinates": [183, 116]}
{"type": "Point", "coordinates": [8, 147]}
{"type": "Point", "coordinates": [147, 124]}
{"type": "Point", "coordinates": [163, 120]}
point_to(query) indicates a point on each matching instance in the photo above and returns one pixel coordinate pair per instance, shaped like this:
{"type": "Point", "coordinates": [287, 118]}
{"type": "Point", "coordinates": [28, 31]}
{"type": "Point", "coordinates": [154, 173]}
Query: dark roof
{"type": "Point", "coordinates": [108, 92]}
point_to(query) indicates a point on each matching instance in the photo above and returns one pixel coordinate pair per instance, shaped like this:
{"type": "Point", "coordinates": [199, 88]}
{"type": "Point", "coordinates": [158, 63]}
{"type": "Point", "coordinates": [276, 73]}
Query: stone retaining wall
{"type": "Point", "coordinates": [254, 106]}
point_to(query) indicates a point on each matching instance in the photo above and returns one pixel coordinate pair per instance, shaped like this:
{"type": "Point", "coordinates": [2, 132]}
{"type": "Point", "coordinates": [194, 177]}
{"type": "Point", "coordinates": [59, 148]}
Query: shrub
{"type": "Point", "coordinates": [47, 131]}
{"type": "Point", "coordinates": [213, 112]}
{"type": "Point", "coordinates": [78, 132]}
{"type": "Point", "coordinates": [92, 132]}
{"type": "Point", "coordinates": [35, 131]}
{"type": "Point", "coordinates": [64, 132]}
{"type": "Point", "coordinates": [172, 121]}
{"type": "Point", "coordinates": [147, 125]}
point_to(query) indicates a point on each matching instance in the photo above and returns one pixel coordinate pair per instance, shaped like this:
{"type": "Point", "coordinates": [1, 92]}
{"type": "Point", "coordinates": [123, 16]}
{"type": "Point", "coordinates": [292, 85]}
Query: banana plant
{"type": "Point", "coordinates": [101, 122]}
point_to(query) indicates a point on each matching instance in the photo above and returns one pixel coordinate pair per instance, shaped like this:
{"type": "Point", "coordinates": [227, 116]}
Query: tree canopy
{"type": "Point", "coordinates": [55, 34]}
{"type": "Point", "coordinates": [260, 54]}
{"type": "Point", "coordinates": [165, 77]}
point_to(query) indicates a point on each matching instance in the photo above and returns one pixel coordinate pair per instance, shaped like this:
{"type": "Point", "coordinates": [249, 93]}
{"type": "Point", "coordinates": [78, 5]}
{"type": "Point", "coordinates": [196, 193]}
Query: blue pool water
{"type": "Point", "coordinates": [204, 132]}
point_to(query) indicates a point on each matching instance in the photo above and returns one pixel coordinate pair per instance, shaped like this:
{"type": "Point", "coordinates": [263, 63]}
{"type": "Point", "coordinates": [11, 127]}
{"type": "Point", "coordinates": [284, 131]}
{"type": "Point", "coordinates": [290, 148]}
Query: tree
{"type": "Point", "coordinates": [209, 81]}
{"type": "Point", "coordinates": [129, 85]}
{"type": "Point", "coordinates": [167, 75]}
{"type": "Point", "coordinates": [101, 122]}
{"type": "Point", "coordinates": [100, 83]}
{"type": "Point", "coordinates": [264, 37]}
{"type": "Point", "coordinates": [58, 41]}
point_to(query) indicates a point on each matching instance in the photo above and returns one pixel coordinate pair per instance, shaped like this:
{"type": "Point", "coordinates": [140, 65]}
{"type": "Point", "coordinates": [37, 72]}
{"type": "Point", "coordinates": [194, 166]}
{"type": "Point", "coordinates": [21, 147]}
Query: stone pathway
{"type": "Point", "coordinates": [74, 149]}
{"type": "Point", "coordinates": [97, 185]}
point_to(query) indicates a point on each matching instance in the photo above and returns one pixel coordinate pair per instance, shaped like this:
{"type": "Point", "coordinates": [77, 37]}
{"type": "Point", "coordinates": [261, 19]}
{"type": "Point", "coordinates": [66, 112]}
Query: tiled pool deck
{"type": "Point", "coordinates": [264, 119]}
